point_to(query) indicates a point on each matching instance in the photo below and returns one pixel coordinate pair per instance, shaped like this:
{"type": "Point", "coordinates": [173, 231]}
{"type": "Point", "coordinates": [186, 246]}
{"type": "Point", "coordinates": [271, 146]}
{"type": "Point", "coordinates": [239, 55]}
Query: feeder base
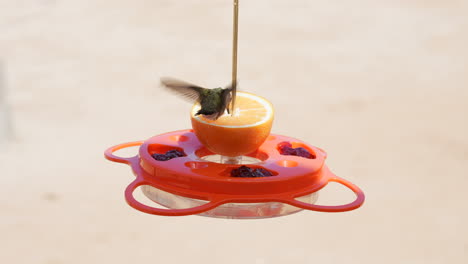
{"type": "Point", "coordinates": [228, 210]}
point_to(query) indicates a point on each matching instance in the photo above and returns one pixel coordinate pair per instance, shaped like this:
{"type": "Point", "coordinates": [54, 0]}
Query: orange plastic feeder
{"type": "Point", "coordinates": [194, 184]}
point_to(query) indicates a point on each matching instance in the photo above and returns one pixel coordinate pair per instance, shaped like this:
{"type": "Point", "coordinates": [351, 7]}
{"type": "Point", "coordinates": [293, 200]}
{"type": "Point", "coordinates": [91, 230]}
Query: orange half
{"type": "Point", "coordinates": [239, 134]}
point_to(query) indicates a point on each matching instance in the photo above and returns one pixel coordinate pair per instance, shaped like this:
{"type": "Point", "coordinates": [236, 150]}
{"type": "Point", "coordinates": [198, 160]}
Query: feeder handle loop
{"type": "Point", "coordinates": [109, 153]}
{"type": "Point", "coordinates": [164, 212]}
{"type": "Point", "coordinates": [334, 208]}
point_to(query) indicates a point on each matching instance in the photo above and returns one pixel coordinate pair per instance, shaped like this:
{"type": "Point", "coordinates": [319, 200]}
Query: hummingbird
{"type": "Point", "coordinates": [213, 101]}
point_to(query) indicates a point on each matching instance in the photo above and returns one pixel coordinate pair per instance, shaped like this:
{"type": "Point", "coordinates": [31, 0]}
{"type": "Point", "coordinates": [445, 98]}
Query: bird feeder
{"type": "Point", "coordinates": [193, 184]}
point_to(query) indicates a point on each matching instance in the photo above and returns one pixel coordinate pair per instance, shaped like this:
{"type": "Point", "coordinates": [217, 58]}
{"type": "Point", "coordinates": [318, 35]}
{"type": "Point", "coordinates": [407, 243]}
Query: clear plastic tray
{"type": "Point", "coordinates": [228, 210]}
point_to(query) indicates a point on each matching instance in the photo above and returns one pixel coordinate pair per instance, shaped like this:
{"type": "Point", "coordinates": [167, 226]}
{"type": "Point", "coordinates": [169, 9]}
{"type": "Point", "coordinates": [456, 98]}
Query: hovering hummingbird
{"type": "Point", "coordinates": [213, 102]}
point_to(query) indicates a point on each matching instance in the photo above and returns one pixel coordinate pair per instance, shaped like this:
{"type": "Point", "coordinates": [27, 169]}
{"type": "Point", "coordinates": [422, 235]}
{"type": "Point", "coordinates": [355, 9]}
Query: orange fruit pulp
{"type": "Point", "coordinates": [238, 134]}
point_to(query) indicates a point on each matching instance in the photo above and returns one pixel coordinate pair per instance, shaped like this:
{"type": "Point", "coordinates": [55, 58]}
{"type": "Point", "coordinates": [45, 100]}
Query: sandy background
{"type": "Point", "coordinates": [380, 85]}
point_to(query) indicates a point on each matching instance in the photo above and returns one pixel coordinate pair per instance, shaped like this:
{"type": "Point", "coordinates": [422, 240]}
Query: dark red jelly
{"type": "Point", "coordinates": [246, 172]}
{"type": "Point", "coordinates": [285, 148]}
{"type": "Point", "coordinates": [171, 154]}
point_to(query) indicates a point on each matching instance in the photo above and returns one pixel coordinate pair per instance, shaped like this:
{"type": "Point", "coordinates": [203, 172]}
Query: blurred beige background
{"type": "Point", "coordinates": [381, 85]}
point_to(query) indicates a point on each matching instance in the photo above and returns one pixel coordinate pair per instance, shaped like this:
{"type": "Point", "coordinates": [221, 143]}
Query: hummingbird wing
{"type": "Point", "coordinates": [227, 98]}
{"type": "Point", "coordinates": [232, 99]}
{"type": "Point", "coordinates": [187, 90]}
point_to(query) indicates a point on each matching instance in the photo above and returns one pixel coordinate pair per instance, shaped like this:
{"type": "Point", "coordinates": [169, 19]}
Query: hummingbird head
{"type": "Point", "coordinates": [229, 97]}
{"type": "Point", "coordinates": [226, 98]}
